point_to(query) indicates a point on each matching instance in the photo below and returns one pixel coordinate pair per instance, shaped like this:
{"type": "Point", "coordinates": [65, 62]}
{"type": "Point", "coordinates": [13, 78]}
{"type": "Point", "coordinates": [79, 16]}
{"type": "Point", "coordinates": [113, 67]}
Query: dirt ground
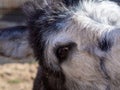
{"type": "Point", "coordinates": [17, 74]}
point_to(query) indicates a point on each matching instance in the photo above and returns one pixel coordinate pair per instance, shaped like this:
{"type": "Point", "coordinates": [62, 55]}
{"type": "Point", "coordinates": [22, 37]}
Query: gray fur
{"type": "Point", "coordinates": [94, 26]}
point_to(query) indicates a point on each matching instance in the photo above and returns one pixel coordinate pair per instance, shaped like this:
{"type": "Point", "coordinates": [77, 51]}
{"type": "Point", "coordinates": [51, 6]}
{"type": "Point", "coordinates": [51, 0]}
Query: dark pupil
{"type": "Point", "coordinates": [62, 52]}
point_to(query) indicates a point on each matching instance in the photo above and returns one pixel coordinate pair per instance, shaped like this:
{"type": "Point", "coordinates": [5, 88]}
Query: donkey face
{"type": "Point", "coordinates": [76, 44]}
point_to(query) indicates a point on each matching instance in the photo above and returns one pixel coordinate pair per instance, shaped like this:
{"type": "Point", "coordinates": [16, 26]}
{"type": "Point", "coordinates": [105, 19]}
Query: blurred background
{"type": "Point", "coordinates": [10, 12]}
{"type": "Point", "coordinates": [15, 74]}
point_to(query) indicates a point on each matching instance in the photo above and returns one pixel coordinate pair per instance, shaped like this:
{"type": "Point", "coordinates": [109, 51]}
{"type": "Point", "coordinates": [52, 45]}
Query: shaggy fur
{"type": "Point", "coordinates": [89, 31]}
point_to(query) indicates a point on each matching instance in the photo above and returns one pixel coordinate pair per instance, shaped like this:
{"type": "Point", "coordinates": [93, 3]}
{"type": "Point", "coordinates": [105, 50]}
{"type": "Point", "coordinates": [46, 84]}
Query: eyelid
{"type": "Point", "coordinates": [68, 44]}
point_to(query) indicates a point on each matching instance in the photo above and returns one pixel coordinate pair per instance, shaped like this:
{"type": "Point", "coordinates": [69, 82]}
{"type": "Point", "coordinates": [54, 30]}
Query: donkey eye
{"type": "Point", "coordinates": [62, 52]}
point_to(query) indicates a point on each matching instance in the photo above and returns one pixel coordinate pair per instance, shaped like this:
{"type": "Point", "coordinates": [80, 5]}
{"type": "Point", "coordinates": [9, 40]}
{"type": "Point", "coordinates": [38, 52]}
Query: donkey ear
{"type": "Point", "coordinates": [71, 2]}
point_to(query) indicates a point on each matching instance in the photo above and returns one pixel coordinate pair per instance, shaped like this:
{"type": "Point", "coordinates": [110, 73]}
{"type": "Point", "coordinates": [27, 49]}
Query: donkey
{"type": "Point", "coordinates": [76, 42]}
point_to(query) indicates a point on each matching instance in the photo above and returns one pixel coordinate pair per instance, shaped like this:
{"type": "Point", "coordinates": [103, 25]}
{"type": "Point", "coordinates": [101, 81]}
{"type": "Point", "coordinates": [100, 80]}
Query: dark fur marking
{"type": "Point", "coordinates": [47, 80]}
{"type": "Point", "coordinates": [38, 82]}
{"type": "Point", "coordinates": [50, 79]}
{"type": "Point", "coordinates": [117, 1]}
{"type": "Point", "coordinates": [106, 75]}
{"type": "Point", "coordinates": [56, 79]}
{"type": "Point", "coordinates": [105, 44]}
{"type": "Point", "coordinates": [71, 2]}
{"type": "Point", "coordinates": [103, 68]}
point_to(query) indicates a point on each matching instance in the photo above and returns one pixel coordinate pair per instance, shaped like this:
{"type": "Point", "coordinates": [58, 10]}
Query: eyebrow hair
{"type": "Point", "coordinates": [62, 43]}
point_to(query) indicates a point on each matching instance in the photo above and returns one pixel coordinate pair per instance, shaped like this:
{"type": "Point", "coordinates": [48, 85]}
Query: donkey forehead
{"type": "Point", "coordinates": [91, 18]}
{"type": "Point", "coordinates": [60, 38]}
{"type": "Point", "coordinates": [105, 12]}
